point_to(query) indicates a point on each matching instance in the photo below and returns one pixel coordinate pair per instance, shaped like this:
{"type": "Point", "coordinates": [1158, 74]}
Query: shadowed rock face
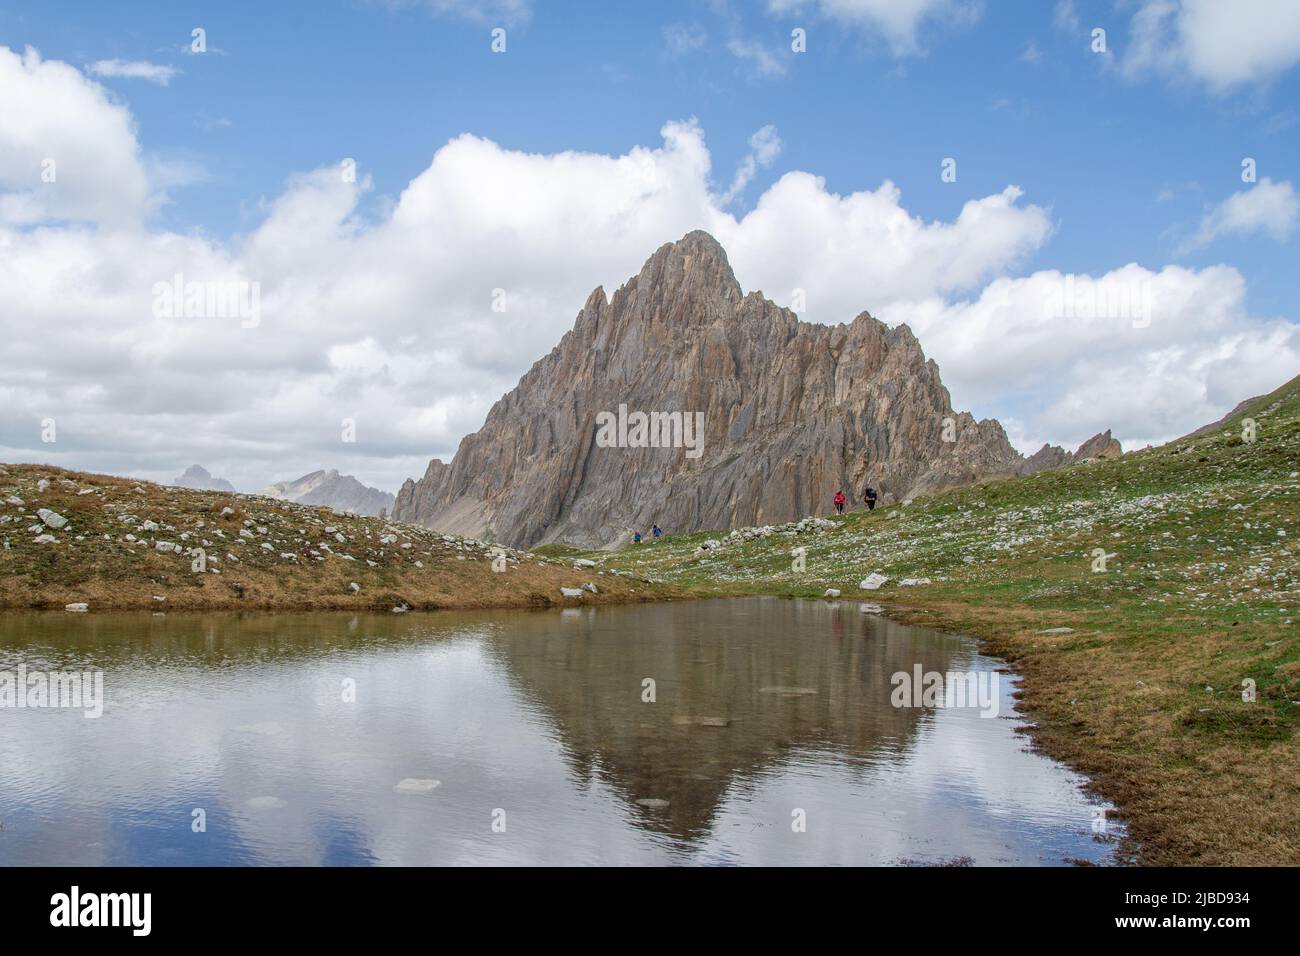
{"type": "Point", "coordinates": [792, 412]}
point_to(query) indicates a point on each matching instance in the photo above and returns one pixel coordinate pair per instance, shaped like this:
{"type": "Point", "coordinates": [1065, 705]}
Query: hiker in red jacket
{"type": "Point", "coordinates": [839, 502]}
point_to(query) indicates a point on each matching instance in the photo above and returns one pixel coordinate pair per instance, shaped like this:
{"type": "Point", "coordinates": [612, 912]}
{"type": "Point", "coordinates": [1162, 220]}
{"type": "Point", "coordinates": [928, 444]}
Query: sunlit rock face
{"type": "Point", "coordinates": [788, 412]}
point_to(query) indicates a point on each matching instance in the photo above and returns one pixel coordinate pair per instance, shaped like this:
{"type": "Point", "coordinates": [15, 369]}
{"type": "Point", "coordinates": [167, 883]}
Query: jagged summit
{"type": "Point", "coordinates": [696, 261]}
{"type": "Point", "coordinates": [781, 414]}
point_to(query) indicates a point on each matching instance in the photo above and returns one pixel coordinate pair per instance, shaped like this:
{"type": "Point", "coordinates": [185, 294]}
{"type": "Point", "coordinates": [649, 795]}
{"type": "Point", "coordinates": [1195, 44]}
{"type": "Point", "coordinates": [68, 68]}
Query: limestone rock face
{"type": "Point", "coordinates": [342, 493]}
{"type": "Point", "coordinates": [792, 411]}
{"type": "Point", "coordinates": [1099, 446]}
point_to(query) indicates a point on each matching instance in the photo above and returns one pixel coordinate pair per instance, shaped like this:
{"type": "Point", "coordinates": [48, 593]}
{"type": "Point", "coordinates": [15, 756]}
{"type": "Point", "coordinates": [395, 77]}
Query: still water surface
{"type": "Point", "coordinates": [531, 719]}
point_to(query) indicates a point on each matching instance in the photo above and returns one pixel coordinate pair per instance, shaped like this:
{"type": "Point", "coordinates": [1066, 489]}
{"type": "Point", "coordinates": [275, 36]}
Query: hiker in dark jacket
{"type": "Point", "coordinates": [870, 499]}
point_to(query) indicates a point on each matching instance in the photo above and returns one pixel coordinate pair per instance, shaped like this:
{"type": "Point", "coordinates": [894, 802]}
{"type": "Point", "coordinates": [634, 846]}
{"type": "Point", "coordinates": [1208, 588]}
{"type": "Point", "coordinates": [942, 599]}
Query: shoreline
{"type": "Point", "coordinates": [526, 602]}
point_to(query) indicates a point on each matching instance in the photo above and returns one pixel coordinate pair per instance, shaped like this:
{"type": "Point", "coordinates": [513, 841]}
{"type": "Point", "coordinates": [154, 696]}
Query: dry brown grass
{"type": "Point", "coordinates": [110, 573]}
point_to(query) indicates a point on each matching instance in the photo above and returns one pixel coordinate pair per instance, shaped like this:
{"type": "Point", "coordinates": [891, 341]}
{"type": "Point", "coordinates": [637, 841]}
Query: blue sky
{"type": "Point", "coordinates": [1128, 153]}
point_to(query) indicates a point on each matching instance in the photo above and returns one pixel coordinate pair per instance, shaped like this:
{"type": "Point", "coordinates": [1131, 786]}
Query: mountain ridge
{"type": "Point", "coordinates": [793, 411]}
{"type": "Point", "coordinates": [342, 493]}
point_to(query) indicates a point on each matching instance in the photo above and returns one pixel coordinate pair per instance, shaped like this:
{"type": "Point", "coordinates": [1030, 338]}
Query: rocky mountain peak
{"type": "Point", "coordinates": [680, 400]}
{"type": "Point", "coordinates": [693, 269]}
{"type": "Point", "coordinates": [1099, 446]}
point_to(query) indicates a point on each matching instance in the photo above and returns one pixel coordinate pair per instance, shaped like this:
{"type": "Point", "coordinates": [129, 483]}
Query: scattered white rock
{"type": "Point", "coordinates": [79, 607]}
{"type": "Point", "coordinates": [1058, 630]}
{"type": "Point", "coordinates": [45, 539]}
{"type": "Point", "coordinates": [832, 593]}
{"type": "Point", "coordinates": [52, 519]}
{"type": "Point", "coordinates": [583, 563]}
{"type": "Point", "coordinates": [356, 588]}
{"type": "Point", "coordinates": [872, 581]}
{"type": "Point", "coordinates": [590, 587]}
{"type": "Point", "coordinates": [913, 582]}
{"type": "Point", "coordinates": [571, 592]}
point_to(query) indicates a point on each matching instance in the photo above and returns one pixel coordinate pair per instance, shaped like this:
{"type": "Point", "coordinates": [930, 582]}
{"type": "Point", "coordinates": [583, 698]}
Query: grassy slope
{"type": "Point", "coordinates": [92, 559]}
{"type": "Point", "coordinates": [1145, 694]}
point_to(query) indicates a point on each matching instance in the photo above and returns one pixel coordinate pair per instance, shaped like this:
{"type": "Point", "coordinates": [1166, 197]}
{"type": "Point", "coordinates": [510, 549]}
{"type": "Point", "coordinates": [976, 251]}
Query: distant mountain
{"type": "Point", "coordinates": [753, 417]}
{"type": "Point", "coordinates": [343, 493]}
{"type": "Point", "coordinates": [1054, 456]}
{"type": "Point", "coordinates": [198, 477]}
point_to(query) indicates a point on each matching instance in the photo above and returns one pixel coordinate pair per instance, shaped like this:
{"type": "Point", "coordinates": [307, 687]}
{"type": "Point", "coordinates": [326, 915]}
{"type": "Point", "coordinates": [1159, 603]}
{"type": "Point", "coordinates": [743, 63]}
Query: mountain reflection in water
{"type": "Point", "coordinates": [765, 710]}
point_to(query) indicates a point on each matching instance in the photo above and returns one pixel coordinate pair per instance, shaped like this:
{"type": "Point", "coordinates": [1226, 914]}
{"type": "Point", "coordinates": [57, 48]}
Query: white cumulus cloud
{"type": "Point", "coordinates": [1224, 45]}
{"type": "Point", "coordinates": [1268, 207]}
{"type": "Point", "coordinates": [66, 150]}
{"type": "Point", "coordinates": [897, 21]}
